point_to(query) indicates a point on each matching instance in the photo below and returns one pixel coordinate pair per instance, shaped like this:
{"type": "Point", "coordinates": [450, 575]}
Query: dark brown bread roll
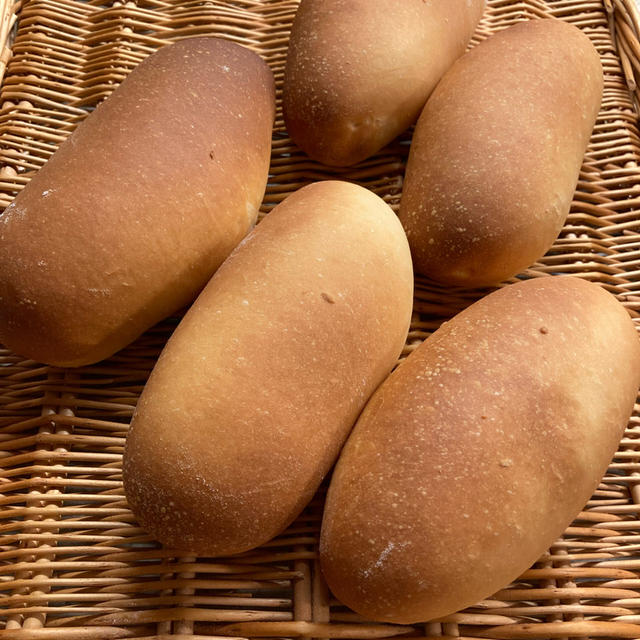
{"type": "Point", "coordinates": [261, 382]}
{"type": "Point", "coordinates": [479, 450]}
{"type": "Point", "coordinates": [497, 151]}
{"type": "Point", "coordinates": [359, 71]}
{"type": "Point", "coordinates": [130, 217]}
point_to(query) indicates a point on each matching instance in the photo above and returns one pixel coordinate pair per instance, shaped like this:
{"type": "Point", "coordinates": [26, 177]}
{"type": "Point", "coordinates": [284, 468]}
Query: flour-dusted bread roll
{"type": "Point", "coordinates": [497, 151]}
{"type": "Point", "coordinates": [479, 450]}
{"type": "Point", "coordinates": [130, 217]}
{"type": "Point", "coordinates": [359, 71]}
{"type": "Point", "coordinates": [257, 389]}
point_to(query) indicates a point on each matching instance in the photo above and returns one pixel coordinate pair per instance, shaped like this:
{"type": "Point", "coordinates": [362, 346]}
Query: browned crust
{"type": "Point", "coordinates": [474, 455]}
{"type": "Point", "coordinates": [257, 389]}
{"type": "Point", "coordinates": [136, 210]}
{"type": "Point", "coordinates": [359, 71]}
{"type": "Point", "coordinates": [496, 153]}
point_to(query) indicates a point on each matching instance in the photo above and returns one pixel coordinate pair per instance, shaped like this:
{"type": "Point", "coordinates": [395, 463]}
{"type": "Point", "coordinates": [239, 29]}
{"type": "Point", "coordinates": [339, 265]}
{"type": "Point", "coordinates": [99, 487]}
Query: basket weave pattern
{"type": "Point", "coordinates": [73, 562]}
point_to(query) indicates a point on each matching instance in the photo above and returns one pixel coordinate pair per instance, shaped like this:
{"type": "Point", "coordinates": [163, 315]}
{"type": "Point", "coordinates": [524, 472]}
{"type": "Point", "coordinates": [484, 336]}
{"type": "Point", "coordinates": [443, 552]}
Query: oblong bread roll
{"type": "Point", "coordinates": [497, 151]}
{"type": "Point", "coordinates": [358, 72]}
{"type": "Point", "coordinates": [479, 450]}
{"type": "Point", "coordinates": [260, 384]}
{"type": "Point", "coordinates": [134, 212]}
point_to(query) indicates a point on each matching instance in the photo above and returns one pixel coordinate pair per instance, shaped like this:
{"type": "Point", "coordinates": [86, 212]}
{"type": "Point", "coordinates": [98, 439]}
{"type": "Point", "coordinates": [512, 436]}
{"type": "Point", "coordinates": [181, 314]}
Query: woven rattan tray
{"type": "Point", "coordinates": [73, 562]}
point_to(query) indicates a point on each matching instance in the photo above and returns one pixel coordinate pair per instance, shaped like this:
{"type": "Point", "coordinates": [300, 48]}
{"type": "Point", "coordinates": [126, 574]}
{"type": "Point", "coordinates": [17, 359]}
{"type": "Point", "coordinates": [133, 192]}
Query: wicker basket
{"type": "Point", "coordinates": [74, 563]}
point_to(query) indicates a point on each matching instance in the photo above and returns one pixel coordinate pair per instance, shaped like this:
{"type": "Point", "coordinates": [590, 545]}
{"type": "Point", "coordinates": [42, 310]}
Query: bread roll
{"type": "Point", "coordinates": [479, 450]}
{"type": "Point", "coordinates": [497, 151]}
{"type": "Point", "coordinates": [258, 387]}
{"type": "Point", "coordinates": [130, 217]}
{"type": "Point", "coordinates": [358, 72]}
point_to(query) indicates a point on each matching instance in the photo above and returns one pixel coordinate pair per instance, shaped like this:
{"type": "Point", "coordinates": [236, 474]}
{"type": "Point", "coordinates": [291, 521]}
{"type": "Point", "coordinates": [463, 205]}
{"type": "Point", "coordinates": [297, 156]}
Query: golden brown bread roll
{"type": "Point", "coordinates": [359, 71]}
{"type": "Point", "coordinates": [478, 451]}
{"type": "Point", "coordinates": [258, 387]}
{"type": "Point", "coordinates": [130, 217]}
{"type": "Point", "coordinates": [497, 151]}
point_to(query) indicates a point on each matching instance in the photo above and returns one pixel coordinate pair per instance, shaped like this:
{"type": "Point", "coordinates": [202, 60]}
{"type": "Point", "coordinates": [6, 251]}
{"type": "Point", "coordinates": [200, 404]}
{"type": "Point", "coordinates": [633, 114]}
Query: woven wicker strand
{"type": "Point", "coordinates": [74, 564]}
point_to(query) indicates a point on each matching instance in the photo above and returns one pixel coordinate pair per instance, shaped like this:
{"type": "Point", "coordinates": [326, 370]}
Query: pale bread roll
{"type": "Point", "coordinates": [257, 389]}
